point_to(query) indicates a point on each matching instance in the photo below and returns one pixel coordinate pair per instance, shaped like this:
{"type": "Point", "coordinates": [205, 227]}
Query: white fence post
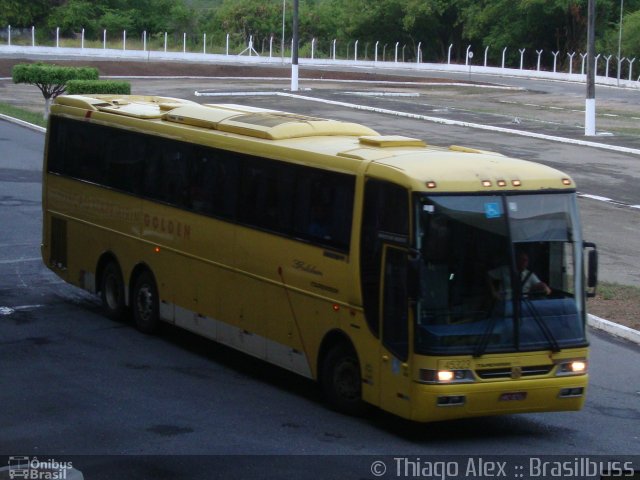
{"type": "Point", "coordinates": [375, 55]}
{"type": "Point", "coordinates": [571, 55]}
{"type": "Point", "coordinates": [204, 43]}
{"type": "Point", "coordinates": [403, 48]}
{"type": "Point", "coordinates": [584, 57]}
{"type": "Point", "coordinates": [449, 54]}
{"type": "Point", "coordinates": [270, 45]}
{"type": "Point", "coordinates": [486, 51]}
{"type": "Point", "coordinates": [395, 55]}
{"type": "Point", "coordinates": [57, 37]}
{"type": "Point", "coordinates": [144, 40]}
{"type": "Point", "coordinates": [9, 35]}
{"type": "Point", "coordinates": [504, 51]}
{"type": "Point", "coordinates": [82, 40]}
{"type": "Point", "coordinates": [124, 40]}
{"type": "Point", "coordinates": [596, 63]}
{"type": "Point", "coordinates": [33, 36]}
{"type": "Point", "coordinates": [419, 54]}
{"type": "Point", "coordinates": [606, 68]}
{"type": "Point", "coordinates": [539, 52]}
{"type": "Point", "coordinates": [522, 58]}
{"type": "Point", "coordinates": [104, 39]}
{"type": "Point", "coordinates": [184, 42]}
{"type": "Point", "coordinates": [466, 56]}
{"type": "Point", "coordinates": [334, 48]}
{"type": "Point", "coordinates": [355, 53]}
{"type": "Point", "coordinates": [227, 50]}
{"type": "Point", "coordinates": [555, 60]}
{"type": "Point", "coordinates": [631, 66]}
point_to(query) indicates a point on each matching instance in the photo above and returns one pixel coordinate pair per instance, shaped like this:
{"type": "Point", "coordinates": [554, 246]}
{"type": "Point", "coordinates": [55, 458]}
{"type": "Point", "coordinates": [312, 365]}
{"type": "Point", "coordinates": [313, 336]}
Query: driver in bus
{"type": "Point", "coordinates": [500, 280]}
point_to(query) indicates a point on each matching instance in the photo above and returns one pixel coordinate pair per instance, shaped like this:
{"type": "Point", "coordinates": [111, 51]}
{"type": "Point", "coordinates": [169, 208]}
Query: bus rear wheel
{"type": "Point", "coordinates": [112, 291]}
{"type": "Point", "coordinates": [341, 380]}
{"type": "Point", "coordinates": [145, 303]}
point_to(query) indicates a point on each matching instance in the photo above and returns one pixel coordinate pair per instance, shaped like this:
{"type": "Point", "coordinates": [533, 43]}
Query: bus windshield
{"type": "Point", "coordinates": [498, 273]}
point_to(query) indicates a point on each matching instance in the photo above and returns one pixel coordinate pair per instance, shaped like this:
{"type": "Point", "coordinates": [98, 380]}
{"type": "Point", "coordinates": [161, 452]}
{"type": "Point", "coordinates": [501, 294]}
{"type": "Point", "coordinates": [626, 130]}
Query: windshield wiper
{"type": "Point", "coordinates": [546, 331]}
{"type": "Point", "coordinates": [483, 342]}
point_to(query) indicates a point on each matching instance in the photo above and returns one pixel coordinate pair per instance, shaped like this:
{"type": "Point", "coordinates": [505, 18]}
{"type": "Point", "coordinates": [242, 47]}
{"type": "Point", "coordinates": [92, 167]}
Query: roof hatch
{"type": "Point", "coordinates": [391, 141]}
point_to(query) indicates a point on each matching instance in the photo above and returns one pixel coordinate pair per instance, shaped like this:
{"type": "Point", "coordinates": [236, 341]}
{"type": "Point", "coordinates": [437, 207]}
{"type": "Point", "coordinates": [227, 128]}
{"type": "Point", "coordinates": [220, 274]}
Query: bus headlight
{"type": "Point", "coordinates": [572, 367]}
{"type": "Point", "coordinates": [445, 376]}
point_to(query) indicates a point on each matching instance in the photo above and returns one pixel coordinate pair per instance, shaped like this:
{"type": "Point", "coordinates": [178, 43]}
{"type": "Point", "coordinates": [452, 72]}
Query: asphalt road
{"type": "Point", "coordinates": [73, 382]}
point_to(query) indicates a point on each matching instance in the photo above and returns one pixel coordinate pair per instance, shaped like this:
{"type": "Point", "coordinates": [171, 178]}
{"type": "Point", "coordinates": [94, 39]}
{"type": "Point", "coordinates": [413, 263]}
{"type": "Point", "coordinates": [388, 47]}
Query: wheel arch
{"type": "Point", "coordinates": [105, 259]}
{"type": "Point", "coordinates": [331, 340]}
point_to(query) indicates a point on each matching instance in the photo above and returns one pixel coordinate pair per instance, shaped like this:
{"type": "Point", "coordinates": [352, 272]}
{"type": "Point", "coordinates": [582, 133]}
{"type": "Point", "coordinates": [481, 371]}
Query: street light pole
{"type": "Point", "coordinates": [590, 105]}
{"type": "Point", "coordinates": [294, 50]}
{"type": "Point", "coordinates": [284, 5]}
{"type": "Point", "coordinates": [620, 41]}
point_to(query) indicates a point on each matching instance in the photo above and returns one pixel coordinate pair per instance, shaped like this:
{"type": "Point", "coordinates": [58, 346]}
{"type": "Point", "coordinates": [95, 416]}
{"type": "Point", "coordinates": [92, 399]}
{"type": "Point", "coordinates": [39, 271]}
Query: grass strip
{"type": "Point", "coordinates": [22, 114]}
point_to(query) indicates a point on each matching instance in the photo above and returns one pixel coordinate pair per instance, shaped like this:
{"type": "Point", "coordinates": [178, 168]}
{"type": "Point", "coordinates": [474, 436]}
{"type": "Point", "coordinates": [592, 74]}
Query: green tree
{"type": "Point", "coordinates": [631, 34]}
{"type": "Point", "coordinates": [75, 15]}
{"type": "Point", "coordinates": [251, 18]}
{"type": "Point", "coordinates": [50, 79]}
{"type": "Point", "coordinates": [19, 13]}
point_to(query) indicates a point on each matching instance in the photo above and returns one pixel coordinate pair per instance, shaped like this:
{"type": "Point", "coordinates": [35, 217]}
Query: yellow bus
{"type": "Point", "coordinates": [434, 283]}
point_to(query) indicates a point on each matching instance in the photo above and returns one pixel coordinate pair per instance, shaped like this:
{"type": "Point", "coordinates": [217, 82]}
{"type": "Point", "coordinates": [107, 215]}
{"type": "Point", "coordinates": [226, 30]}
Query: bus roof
{"type": "Point", "coordinates": [406, 160]}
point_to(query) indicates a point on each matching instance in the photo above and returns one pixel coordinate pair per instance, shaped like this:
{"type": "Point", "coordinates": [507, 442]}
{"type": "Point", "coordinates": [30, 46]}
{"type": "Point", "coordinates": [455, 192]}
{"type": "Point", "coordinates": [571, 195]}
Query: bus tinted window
{"type": "Point", "coordinates": [266, 193]}
{"type": "Point", "coordinates": [309, 204]}
{"type": "Point", "coordinates": [323, 208]}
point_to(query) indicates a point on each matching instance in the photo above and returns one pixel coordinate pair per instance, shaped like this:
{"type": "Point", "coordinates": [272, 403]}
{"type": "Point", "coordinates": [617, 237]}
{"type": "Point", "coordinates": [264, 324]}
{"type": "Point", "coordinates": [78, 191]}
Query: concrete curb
{"type": "Point", "coordinates": [614, 329]}
{"type": "Point", "coordinates": [22, 123]}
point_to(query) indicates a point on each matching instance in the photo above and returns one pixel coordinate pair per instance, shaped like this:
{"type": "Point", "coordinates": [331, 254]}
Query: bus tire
{"type": "Point", "coordinates": [145, 303]}
{"type": "Point", "coordinates": [112, 291]}
{"type": "Point", "coordinates": [341, 380]}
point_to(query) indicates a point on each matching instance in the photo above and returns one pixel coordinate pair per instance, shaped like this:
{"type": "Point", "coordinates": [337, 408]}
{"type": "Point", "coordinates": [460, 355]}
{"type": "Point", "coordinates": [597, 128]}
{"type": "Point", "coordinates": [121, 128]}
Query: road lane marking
{"type": "Point", "coordinates": [20, 260]}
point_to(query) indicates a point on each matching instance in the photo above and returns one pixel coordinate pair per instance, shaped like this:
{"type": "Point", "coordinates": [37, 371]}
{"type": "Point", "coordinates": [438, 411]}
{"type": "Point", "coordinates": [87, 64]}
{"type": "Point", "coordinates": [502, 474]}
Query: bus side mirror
{"type": "Point", "coordinates": [592, 269]}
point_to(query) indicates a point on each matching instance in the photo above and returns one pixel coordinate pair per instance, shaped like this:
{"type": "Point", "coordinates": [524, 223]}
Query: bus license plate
{"type": "Point", "coordinates": [513, 396]}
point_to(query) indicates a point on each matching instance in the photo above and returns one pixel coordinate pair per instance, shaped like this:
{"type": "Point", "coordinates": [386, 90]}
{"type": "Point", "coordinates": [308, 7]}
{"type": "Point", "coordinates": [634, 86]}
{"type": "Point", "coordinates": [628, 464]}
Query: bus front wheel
{"type": "Point", "coordinates": [145, 303]}
{"type": "Point", "coordinates": [341, 380]}
{"type": "Point", "coordinates": [112, 291]}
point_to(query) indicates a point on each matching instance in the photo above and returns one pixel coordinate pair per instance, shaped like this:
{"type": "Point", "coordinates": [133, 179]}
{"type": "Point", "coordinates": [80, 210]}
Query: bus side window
{"type": "Point", "coordinates": [124, 156]}
{"type": "Point", "coordinates": [266, 193]}
{"type": "Point", "coordinates": [214, 177]}
{"type": "Point", "coordinates": [166, 176]}
{"type": "Point", "coordinates": [324, 208]}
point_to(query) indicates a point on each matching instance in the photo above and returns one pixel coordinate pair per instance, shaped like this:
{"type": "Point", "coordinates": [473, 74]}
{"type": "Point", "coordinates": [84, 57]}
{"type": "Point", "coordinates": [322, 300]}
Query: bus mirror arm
{"type": "Point", "coordinates": [592, 269]}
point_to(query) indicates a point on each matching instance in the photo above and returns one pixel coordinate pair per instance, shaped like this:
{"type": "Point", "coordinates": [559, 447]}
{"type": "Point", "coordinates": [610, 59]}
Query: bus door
{"type": "Point", "coordinates": [395, 377]}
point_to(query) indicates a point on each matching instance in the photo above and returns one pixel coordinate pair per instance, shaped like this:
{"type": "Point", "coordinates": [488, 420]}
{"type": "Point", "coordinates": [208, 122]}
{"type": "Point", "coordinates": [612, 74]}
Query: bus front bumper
{"type": "Point", "coordinates": [463, 400]}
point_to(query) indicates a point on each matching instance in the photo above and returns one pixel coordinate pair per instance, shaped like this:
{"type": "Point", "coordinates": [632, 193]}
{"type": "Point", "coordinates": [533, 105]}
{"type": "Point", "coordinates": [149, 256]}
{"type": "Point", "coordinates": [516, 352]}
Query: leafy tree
{"type": "Point", "coordinates": [631, 33]}
{"type": "Point", "coordinates": [50, 79]}
{"type": "Point", "coordinates": [251, 18]}
{"type": "Point", "coordinates": [73, 16]}
{"type": "Point", "coordinates": [116, 20]}
{"type": "Point", "coordinates": [19, 13]}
